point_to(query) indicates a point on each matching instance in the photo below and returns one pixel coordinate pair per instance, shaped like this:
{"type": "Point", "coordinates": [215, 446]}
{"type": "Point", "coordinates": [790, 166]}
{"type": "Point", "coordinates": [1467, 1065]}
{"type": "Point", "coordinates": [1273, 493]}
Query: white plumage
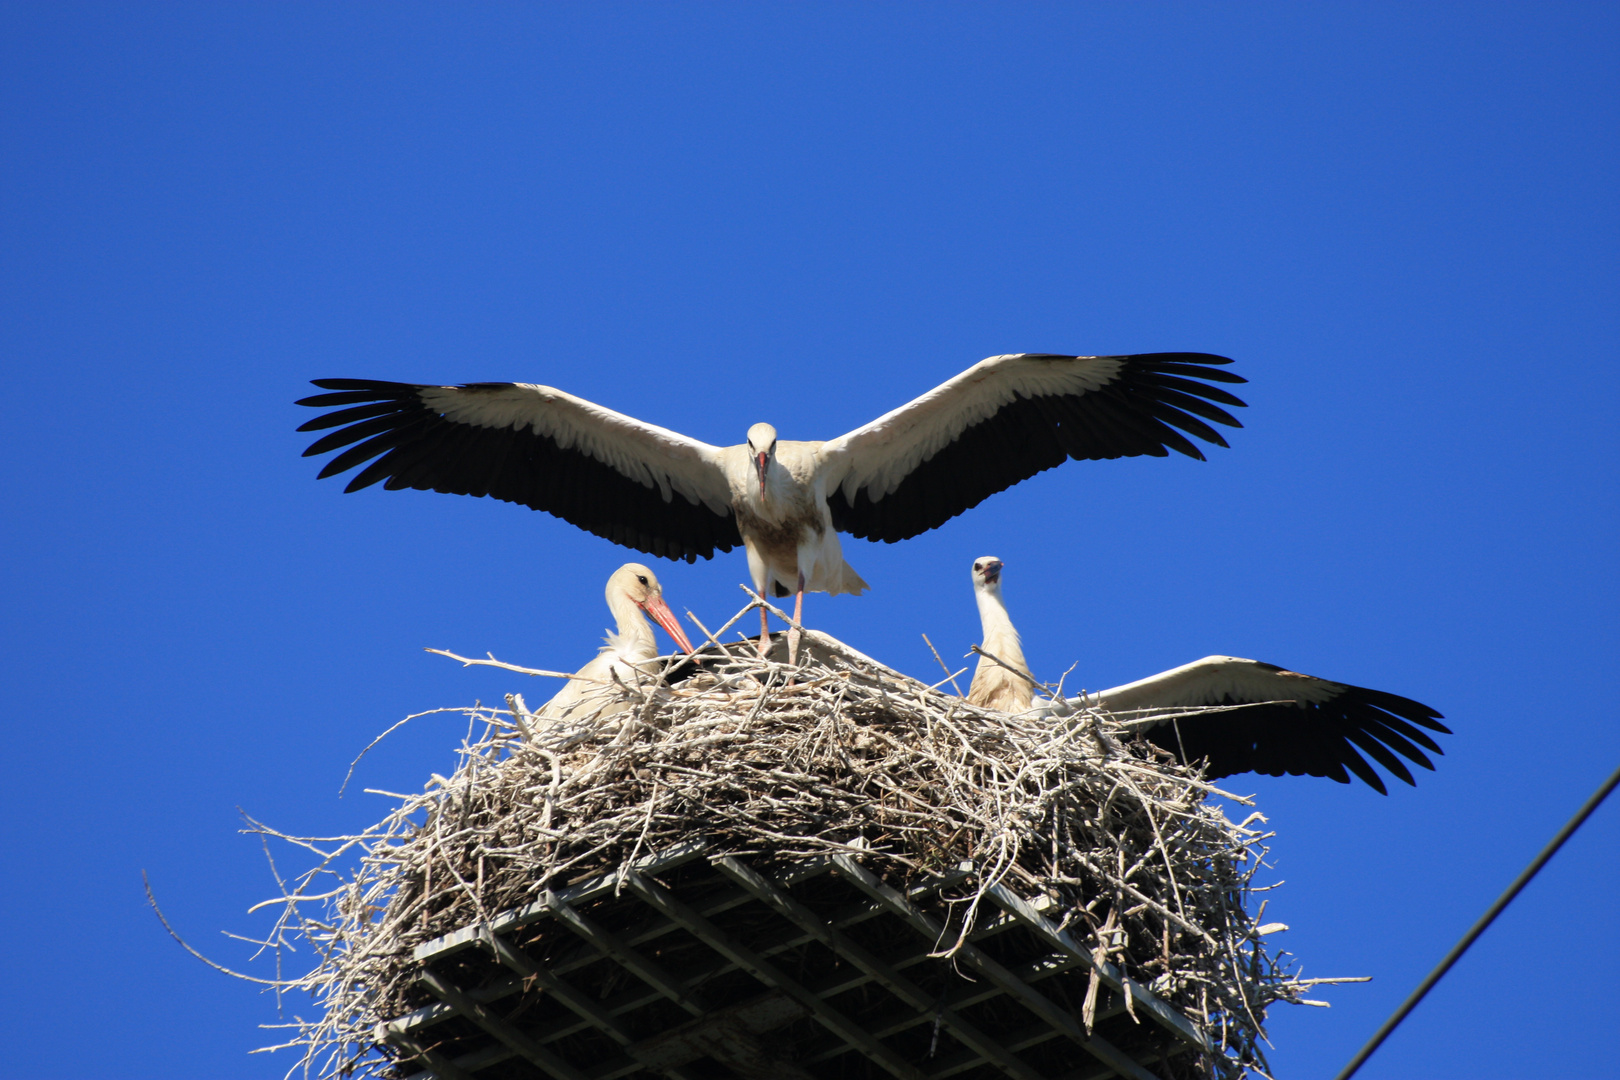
{"type": "Point", "coordinates": [1215, 679]}
{"type": "Point", "coordinates": [655, 490]}
{"type": "Point", "coordinates": [994, 686]}
{"type": "Point", "coordinates": [633, 592]}
{"type": "Point", "coordinates": [1289, 722]}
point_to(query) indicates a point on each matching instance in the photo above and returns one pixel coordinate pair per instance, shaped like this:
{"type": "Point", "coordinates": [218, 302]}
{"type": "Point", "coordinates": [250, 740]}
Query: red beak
{"type": "Point", "coordinates": [654, 605]}
{"type": "Point", "coordinates": [760, 464]}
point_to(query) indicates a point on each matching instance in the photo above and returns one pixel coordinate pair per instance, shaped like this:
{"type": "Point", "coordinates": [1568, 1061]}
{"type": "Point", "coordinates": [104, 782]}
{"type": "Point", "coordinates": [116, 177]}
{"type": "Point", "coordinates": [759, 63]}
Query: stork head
{"type": "Point", "coordinates": [639, 585]}
{"type": "Point", "coordinates": [761, 450]}
{"type": "Point", "coordinates": [987, 573]}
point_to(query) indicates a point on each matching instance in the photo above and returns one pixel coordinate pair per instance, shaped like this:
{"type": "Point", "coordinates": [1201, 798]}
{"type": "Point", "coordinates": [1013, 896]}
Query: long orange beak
{"type": "Point", "coordinates": [654, 605]}
{"type": "Point", "coordinates": [759, 467]}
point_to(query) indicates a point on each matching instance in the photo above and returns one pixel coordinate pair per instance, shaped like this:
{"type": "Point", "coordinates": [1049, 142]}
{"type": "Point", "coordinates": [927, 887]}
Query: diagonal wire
{"type": "Point", "coordinates": [1480, 927]}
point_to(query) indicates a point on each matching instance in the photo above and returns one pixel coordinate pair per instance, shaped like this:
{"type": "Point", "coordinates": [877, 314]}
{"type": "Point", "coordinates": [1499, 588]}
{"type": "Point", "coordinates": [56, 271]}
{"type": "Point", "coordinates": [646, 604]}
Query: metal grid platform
{"type": "Point", "coordinates": [695, 967]}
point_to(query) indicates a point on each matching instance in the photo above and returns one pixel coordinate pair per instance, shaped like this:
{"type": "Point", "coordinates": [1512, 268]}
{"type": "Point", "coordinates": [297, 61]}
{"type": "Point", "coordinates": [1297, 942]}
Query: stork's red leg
{"type": "Point", "coordinates": [798, 617]}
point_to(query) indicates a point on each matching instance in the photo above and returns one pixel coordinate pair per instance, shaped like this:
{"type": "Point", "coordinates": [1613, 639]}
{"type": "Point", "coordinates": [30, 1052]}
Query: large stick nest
{"type": "Point", "coordinates": [837, 754]}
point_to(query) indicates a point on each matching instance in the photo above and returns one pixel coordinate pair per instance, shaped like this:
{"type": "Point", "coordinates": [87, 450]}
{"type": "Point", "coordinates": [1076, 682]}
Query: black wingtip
{"type": "Point", "coordinates": [1369, 776]}
{"type": "Point", "coordinates": [1196, 360]}
{"type": "Point", "coordinates": [1189, 357]}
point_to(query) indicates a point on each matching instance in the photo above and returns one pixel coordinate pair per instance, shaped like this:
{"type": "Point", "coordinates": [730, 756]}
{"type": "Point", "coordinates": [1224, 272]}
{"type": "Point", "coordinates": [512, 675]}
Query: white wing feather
{"type": "Point", "coordinates": [652, 456]}
{"type": "Point", "coordinates": [1215, 678]}
{"type": "Point", "coordinates": [880, 455]}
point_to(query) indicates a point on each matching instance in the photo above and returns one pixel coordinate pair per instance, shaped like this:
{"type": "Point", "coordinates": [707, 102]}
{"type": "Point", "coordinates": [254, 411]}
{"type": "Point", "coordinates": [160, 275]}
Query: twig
{"type": "Point", "coordinates": [152, 901]}
{"type": "Point", "coordinates": [950, 676]}
{"type": "Point", "coordinates": [839, 754]}
{"type": "Point", "coordinates": [393, 728]}
{"type": "Point", "coordinates": [503, 665]}
{"type": "Point", "coordinates": [1026, 676]}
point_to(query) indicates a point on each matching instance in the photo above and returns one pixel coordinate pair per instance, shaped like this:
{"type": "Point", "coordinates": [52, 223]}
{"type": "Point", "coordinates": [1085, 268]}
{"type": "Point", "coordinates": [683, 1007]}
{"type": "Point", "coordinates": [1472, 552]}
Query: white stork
{"type": "Point", "coordinates": [1001, 421]}
{"type": "Point", "coordinates": [1290, 723]}
{"type": "Point", "coordinates": [1001, 681]}
{"type": "Point", "coordinates": [633, 593]}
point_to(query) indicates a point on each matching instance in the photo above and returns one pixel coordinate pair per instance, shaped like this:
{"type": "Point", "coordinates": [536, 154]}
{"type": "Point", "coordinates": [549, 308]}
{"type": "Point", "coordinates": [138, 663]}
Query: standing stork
{"type": "Point", "coordinates": [1001, 421]}
{"type": "Point", "coordinates": [633, 593]}
{"type": "Point", "coordinates": [1002, 680]}
{"type": "Point", "coordinates": [1289, 723]}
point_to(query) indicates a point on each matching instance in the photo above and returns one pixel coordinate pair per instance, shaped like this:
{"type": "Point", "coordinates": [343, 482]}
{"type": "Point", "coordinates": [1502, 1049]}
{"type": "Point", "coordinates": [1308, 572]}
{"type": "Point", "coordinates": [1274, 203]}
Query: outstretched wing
{"type": "Point", "coordinates": [1009, 417]}
{"type": "Point", "coordinates": [635, 484]}
{"type": "Point", "coordinates": [1292, 723]}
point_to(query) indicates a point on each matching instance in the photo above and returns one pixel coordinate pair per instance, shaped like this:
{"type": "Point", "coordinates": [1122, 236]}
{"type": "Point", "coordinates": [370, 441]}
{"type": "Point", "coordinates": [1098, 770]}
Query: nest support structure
{"type": "Point", "coordinates": [826, 870]}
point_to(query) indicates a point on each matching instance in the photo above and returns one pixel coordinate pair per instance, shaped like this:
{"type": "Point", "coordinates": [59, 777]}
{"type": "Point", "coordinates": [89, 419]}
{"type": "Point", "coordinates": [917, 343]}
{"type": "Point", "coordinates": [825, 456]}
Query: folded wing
{"type": "Point", "coordinates": [633, 483]}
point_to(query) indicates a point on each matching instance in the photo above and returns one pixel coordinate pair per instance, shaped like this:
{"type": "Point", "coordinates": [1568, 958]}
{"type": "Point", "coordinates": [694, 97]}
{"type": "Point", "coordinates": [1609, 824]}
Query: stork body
{"type": "Point", "coordinates": [786, 525]}
{"type": "Point", "coordinates": [1289, 723]}
{"type": "Point", "coordinates": [633, 593]}
{"type": "Point", "coordinates": [994, 686]}
{"type": "Point", "coordinates": [646, 487]}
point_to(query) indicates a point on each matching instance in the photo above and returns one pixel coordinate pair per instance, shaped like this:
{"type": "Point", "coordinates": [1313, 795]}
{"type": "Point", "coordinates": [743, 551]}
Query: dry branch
{"type": "Point", "coordinates": [837, 755]}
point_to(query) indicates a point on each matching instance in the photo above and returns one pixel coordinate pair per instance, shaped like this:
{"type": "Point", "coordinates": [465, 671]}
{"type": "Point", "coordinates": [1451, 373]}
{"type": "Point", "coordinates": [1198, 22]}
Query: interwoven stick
{"type": "Point", "coordinates": [836, 754]}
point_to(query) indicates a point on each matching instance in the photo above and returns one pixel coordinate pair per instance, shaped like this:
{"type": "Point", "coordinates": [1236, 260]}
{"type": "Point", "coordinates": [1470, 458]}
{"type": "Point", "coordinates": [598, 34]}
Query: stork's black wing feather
{"type": "Point", "coordinates": [1321, 739]}
{"type": "Point", "coordinates": [1149, 407]}
{"type": "Point", "coordinates": [409, 444]}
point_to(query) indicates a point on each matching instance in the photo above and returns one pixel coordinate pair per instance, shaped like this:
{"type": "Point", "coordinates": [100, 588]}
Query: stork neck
{"type": "Point", "coordinates": [634, 639]}
{"type": "Point", "coordinates": [1000, 636]}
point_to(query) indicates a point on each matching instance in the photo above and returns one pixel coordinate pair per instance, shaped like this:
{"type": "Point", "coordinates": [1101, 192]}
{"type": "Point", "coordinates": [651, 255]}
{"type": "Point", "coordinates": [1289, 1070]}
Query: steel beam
{"type": "Point", "coordinates": [1016, 988]}
{"type": "Point", "coordinates": [893, 981]}
{"type": "Point", "coordinates": [763, 970]}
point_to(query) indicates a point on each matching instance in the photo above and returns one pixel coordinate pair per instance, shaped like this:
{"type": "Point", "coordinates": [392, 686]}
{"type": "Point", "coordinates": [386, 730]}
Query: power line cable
{"type": "Point", "coordinates": [1480, 927]}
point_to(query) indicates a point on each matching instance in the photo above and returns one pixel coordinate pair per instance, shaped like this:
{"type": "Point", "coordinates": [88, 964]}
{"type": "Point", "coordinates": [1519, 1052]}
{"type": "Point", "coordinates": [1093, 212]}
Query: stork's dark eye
{"type": "Point", "coordinates": [641, 578]}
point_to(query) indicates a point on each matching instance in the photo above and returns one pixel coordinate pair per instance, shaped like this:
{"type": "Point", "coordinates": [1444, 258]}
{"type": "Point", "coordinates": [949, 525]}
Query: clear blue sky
{"type": "Point", "coordinates": [1401, 220]}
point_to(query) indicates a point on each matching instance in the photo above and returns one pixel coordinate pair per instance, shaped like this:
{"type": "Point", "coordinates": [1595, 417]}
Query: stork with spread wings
{"type": "Point", "coordinates": [1001, 421]}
